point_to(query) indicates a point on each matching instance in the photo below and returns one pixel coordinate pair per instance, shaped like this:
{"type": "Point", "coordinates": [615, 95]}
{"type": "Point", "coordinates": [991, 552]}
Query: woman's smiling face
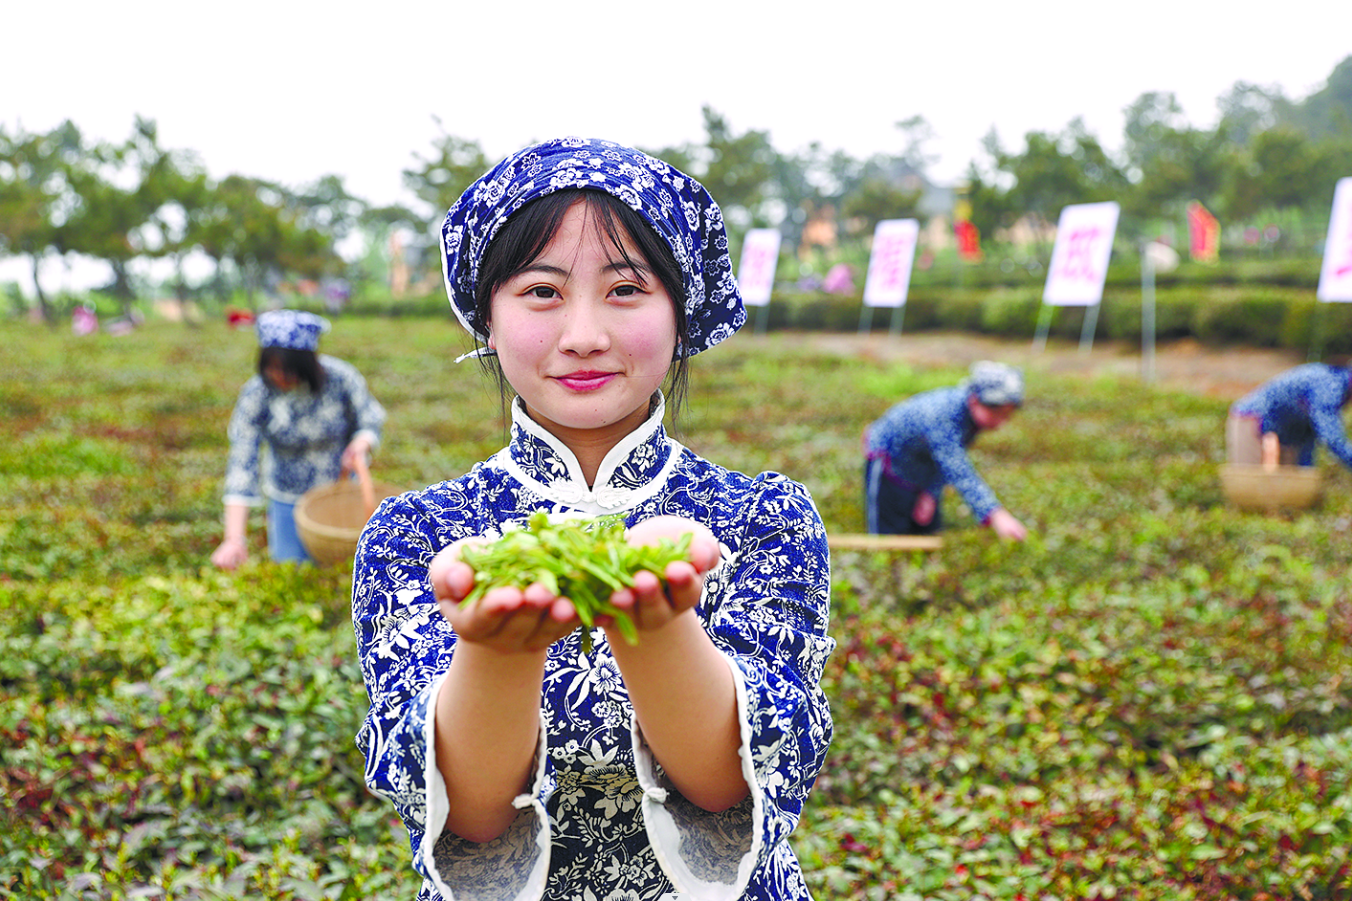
{"type": "Point", "coordinates": [583, 337]}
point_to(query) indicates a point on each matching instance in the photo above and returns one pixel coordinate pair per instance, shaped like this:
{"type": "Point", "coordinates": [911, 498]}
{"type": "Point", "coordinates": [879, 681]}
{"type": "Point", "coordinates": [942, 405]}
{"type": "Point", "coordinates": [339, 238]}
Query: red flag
{"type": "Point", "coordinates": [1204, 234]}
{"type": "Point", "coordinates": [969, 240]}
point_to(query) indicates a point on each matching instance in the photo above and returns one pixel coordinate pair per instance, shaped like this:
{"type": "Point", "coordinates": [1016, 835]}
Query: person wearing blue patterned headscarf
{"type": "Point", "coordinates": [1282, 420]}
{"type": "Point", "coordinates": [920, 445]}
{"type": "Point", "coordinates": [522, 765]}
{"type": "Point", "coordinates": [316, 418]}
{"type": "Point", "coordinates": [673, 204]}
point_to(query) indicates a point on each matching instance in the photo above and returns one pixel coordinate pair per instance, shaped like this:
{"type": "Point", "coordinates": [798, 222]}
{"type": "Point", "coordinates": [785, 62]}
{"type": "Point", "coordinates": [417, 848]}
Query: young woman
{"type": "Point", "coordinates": [316, 417]}
{"type": "Point", "coordinates": [523, 767]}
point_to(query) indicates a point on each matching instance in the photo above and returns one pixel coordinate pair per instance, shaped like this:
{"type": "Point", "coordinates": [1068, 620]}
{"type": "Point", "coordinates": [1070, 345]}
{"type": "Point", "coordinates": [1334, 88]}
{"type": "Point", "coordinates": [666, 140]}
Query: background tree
{"type": "Point", "coordinates": [440, 179]}
{"type": "Point", "coordinates": [889, 186]}
{"type": "Point", "coordinates": [1056, 170]}
{"type": "Point", "coordinates": [739, 171]}
{"type": "Point", "coordinates": [1247, 109]}
{"type": "Point", "coordinates": [1170, 163]}
{"type": "Point", "coordinates": [991, 206]}
{"type": "Point", "coordinates": [875, 198]}
{"type": "Point", "coordinates": [182, 218]}
{"type": "Point", "coordinates": [807, 186]}
{"type": "Point", "coordinates": [36, 196]}
{"type": "Point", "coordinates": [1273, 173]}
{"type": "Point", "coordinates": [122, 193]}
{"type": "Point", "coordinates": [326, 206]}
{"type": "Point", "coordinates": [917, 134]}
{"type": "Point", "coordinates": [248, 223]}
{"type": "Point", "coordinates": [378, 225]}
{"type": "Point", "coordinates": [1327, 113]}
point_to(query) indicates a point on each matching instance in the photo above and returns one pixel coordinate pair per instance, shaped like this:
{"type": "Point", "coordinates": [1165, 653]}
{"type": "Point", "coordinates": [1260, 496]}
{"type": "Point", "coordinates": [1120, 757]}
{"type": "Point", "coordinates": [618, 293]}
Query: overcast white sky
{"type": "Point", "coordinates": [293, 91]}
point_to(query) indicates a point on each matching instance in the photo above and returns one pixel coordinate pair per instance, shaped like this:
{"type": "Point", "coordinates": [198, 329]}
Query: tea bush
{"type": "Point", "coordinates": [1150, 699]}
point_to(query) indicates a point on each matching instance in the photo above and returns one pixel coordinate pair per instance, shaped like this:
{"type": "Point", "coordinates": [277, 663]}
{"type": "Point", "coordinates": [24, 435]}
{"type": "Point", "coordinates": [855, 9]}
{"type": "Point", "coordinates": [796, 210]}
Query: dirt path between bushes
{"type": "Point", "coordinates": [1184, 365]}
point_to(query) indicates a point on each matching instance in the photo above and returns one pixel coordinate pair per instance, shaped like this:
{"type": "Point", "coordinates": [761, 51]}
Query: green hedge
{"type": "Point", "coordinates": [1218, 314]}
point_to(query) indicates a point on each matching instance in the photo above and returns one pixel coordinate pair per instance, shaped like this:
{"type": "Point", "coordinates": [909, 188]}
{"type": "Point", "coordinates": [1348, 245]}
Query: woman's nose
{"type": "Point", "coordinates": [584, 329]}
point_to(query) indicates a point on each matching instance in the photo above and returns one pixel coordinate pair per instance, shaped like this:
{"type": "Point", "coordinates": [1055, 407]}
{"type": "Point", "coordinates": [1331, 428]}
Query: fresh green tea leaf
{"type": "Point", "coordinates": [584, 560]}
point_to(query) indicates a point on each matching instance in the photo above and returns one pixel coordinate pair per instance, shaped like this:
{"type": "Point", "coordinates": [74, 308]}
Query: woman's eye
{"type": "Point", "coordinates": [627, 290]}
{"type": "Point", "coordinates": [542, 291]}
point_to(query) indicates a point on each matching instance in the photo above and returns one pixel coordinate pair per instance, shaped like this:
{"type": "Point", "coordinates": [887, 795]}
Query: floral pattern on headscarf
{"type": "Point", "coordinates": [678, 208]}
{"type": "Point", "coordinates": [294, 329]}
{"type": "Point", "coordinates": [995, 384]}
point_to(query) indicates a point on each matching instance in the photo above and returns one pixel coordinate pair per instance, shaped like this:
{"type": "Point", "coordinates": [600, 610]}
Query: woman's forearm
{"type": "Point", "coordinates": [1272, 450]}
{"type": "Point", "coordinates": [236, 521]}
{"type": "Point", "coordinates": [487, 727]}
{"type": "Point", "coordinates": [685, 700]}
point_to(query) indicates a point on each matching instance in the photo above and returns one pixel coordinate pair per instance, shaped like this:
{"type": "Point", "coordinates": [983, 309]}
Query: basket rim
{"type": "Point", "coordinates": [304, 521]}
{"type": "Point", "coordinates": [1285, 469]}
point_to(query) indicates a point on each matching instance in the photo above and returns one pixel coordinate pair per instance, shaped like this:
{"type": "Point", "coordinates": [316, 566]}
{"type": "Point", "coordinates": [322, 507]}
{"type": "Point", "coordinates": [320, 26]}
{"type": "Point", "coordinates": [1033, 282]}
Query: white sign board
{"type": "Point", "coordinates": [1084, 242]}
{"type": "Point", "coordinates": [889, 263]}
{"type": "Point", "coordinates": [756, 274]}
{"type": "Point", "coordinates": [1335, 276]}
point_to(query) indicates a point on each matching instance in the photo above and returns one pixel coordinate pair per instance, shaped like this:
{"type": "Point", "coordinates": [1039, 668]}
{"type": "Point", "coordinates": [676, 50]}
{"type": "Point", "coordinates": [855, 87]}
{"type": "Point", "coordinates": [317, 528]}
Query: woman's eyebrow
{"type": "Point", "coordinates": [545, 268]}
{"type": "Point", "coordinates": [619, 266]}
{"type": "Point", "coordinates": [626, 266]}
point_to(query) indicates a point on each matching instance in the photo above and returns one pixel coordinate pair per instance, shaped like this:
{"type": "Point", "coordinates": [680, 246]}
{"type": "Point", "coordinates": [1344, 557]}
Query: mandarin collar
{"type": "Point", "coordinates": [634, 469]}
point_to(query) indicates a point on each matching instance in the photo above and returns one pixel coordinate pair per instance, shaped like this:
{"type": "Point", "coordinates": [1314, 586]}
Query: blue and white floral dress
{"type": "Point", "coordinates": [599, 820]}
{"type": "Point", "coordinates": [305, 434]}
{"type": "Point", "coordinates": [921, 444]}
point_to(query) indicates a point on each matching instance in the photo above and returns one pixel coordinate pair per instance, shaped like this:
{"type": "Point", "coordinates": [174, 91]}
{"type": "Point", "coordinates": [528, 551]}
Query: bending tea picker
{"type": "Point", "coordinates": [919, 446]}
{"type": "Point", "coordinates": [1283, 420]}
{"type": "Point", "coordinates": [317, 420]}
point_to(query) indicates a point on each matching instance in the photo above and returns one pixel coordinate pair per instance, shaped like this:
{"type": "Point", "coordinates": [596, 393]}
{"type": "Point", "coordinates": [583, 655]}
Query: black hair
{"type": "Point", "coordinates": [528, 232]}
{"type": "Point", "coordinates": [303, 364]}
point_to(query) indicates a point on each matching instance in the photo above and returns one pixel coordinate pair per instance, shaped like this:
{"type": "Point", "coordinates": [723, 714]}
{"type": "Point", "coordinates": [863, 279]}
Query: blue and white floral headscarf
{"type": "Point", "coordinates": [679, 209]}
{"type": "Point", "coordinates": [995, 384]}
{"type": "Point", "coordinates": [295, 329]}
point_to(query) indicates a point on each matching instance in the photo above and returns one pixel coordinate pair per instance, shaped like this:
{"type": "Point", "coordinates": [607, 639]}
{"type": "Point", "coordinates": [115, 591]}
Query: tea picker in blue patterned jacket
{"type": "Point", "coordinates": [920, 445]}
{"type": "Point", "coordinates": [1283, 419]}
{"type": "Point", "coordinates": [523, 765]}
{"type": "Point", "coordinates": [314, 416]}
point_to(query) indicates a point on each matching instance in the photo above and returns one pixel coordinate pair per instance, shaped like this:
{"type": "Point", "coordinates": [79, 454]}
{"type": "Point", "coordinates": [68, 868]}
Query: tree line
{"type": "Point", "coordinates": [61, 193]}
{"type": "Point", "coordinates": [1266, 153]}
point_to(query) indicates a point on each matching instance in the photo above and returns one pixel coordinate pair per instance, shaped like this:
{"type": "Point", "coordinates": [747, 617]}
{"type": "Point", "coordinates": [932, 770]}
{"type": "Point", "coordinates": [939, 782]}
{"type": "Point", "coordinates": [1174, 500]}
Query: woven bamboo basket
{"type": "Point", "coordinates": [1251, 487]}
{"type": "Point", "coordinates": [329, 518]}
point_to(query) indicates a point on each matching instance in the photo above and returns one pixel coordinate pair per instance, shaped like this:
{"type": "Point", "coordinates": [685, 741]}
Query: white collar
{"type": "Point", "coordinates": [625, 478]}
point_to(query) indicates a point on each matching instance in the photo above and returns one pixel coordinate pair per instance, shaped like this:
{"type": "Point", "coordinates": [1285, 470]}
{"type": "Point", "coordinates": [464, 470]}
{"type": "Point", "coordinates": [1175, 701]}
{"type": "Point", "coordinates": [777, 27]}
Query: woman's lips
{"type": "Point", "coordinates": [586, 381]}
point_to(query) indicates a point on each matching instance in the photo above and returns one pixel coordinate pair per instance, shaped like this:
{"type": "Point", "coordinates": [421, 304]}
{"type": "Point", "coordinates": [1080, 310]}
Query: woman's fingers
{"type": "Point", "coordinates": [449, 575]}
{"type": "Point", "coordinates": [704, 551]}
{"type": "Point", "coordinates": [533, 617]}
{"type": "Point", "coordinates": [511, 619]}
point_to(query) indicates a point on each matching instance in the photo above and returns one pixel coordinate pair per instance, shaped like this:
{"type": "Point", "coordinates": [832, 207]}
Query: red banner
{"type": "Point", "coordinates": [1204, 234]}
{"type": "Point", "coordinates": [969, 240]}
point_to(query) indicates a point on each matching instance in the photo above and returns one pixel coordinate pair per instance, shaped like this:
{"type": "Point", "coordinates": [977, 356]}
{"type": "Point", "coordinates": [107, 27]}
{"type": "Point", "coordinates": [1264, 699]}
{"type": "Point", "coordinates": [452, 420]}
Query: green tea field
{"type": "Point", "coordinates": [1150, 699]}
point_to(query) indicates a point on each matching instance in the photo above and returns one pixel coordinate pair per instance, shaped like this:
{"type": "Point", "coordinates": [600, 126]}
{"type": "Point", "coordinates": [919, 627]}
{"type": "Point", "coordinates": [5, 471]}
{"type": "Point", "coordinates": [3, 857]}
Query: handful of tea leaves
{"type": "Point", "coordinates": [584, 560]}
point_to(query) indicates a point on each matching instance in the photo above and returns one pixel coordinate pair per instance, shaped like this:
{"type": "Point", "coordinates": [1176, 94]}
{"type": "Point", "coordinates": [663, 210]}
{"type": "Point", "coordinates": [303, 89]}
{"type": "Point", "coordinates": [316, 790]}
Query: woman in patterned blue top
{"type": "Point", "coordinates": [920, 445]}
{"type": "Point", "coordinates": [522, 766]}
{"type": "Point", "coordinates": [315, 416]}
{"type": "Point", "coordinates": [1281, 420]}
